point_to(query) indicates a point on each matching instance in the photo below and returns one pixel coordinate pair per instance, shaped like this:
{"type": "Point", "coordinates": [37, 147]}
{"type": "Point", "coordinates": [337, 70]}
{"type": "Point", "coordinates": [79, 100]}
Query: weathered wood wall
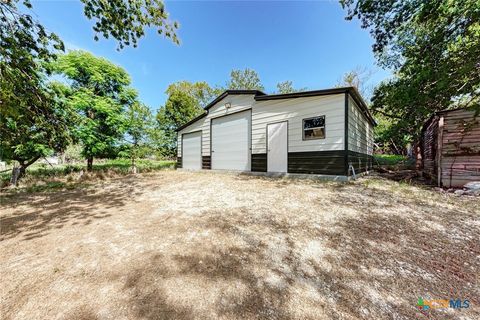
{"type": "Point", "coordinates": [429, 144]}
{"type": "Point", "coordinates": [460, 150]}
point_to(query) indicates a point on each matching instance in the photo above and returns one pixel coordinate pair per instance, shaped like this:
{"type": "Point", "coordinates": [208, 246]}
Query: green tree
{"type": "Point", "coordinates": [139, 126]}
{"type": "Point", "coordinates": [387, 137]}
{"type": "Point", "coordinates": [26, 136]}
{"type": "Point", "coordinates": [287, 87]}
{"type": "Point", "coordinates": [246, 79]}
{"type": "Point", "coordinates": [99, 92]}
{"type": "Point", "coordinates": [178, 110]}
{"type": "Point", "coordinates": [32, 120]}
{"type": "Point", "coordinates": [24, 44]}
{"type": "Point", "coordinates": [200, 91]}
{"type": "Point", "coordinates": [433, 47]}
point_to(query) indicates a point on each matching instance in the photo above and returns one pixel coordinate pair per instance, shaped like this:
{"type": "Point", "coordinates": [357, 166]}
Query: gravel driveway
{"type": "Point", "coordinates": [183, 245]}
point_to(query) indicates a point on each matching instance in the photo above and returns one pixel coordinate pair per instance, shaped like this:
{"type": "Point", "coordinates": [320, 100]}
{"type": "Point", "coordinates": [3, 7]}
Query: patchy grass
{"type": "Point", "coordinates": [182, 245]}
{"type": "Point", "coordinates": [43, 177]}
{"type": "Point", "coordinates": [390, 159]}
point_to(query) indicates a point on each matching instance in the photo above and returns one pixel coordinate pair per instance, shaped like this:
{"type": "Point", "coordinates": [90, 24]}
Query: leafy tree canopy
{"type": "Point", "coordinates": [201, 91]}
{"type": "Point", "coordinates": [126, 21]}
{"type": "Point", "coordinates": [246, 79]}
{"type": "Point", "coordinates": [33, 123]}
{"type": "Point", "coordinates": [434, 49]}
{"type": "Point", "coordinates": [98, 91]}
{"type": "Point", "coordinates": [287, 87]}
{"type": "Point", "coordinates": [86, 71]}
{"type": "Point", "coordinates": [26, 135]}
{"type": "Point", "coordinates": [139, 122]}
{"type": "Point", "coordinates": [139, 125]}
{"type": "Point", "coordinates": [178, 110]}
{"type": "Point", "coordinates": [24, 44]}
{"type": "Point", "coordinates": [33, 119]}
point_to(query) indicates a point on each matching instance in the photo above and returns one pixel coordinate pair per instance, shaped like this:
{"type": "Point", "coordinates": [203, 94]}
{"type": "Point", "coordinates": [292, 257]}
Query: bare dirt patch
{"type": "Point", "coordinates": [182, 245]}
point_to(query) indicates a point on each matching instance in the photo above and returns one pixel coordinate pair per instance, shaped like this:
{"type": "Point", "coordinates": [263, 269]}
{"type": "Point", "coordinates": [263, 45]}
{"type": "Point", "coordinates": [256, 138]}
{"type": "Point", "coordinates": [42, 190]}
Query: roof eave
{"type": "Point", "coordinates": [358, 98]}
{"type": "Point", "coordinates": [351, 90]}
{"type": "Point", "coordinates": [302, 94]}
{"type": "Point", "coordinates": [191, 121]}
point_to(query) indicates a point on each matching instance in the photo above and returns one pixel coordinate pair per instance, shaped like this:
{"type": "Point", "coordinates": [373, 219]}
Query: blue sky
{"type": "Point", "coordinates": [309, 43]}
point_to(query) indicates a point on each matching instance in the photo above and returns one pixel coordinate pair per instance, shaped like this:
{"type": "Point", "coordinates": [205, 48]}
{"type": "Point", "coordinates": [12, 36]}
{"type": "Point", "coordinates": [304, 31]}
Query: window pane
{"type": "Point", "coordinates": [314, 122]}
{"type": "Point", "coordinates": [317, 133]}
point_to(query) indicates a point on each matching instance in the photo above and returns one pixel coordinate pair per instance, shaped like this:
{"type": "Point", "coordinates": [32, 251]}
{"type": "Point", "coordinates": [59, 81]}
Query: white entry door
{"type": "Point", "coordinates": [192, 150]}
{"type": "Point", "coordinates": [231, 142]}
{"type": "Point", "coordinates": [277, 153]}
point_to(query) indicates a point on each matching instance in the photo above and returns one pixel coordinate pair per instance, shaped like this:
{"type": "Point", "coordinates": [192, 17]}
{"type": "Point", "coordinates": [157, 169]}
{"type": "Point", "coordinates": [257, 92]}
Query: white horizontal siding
{"type": "Point", "coordinates": [360, 131]}
{"type": "Point", "coordinates": [238, 103]}
{"type": "Point", "coordinates": [295, 110]}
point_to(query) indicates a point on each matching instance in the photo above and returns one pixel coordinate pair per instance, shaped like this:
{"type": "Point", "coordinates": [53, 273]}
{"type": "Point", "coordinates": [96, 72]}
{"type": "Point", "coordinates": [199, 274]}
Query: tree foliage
{"type": "Point", "coordinates": [126, 20]}
{"type": "Point", "coordinates": [26, 136]}
{"type": "Point", "coordinates": [99, 93]}
{"type": "Point", "coordinates": [139, 126]}
{"type": "Point", "coordinates": [178, 110]}
{"type": "Point", "coordinates": [201, 91]}
{"type": "Point", "coordinates": [246, 79]}
{"type": "Point", "coordinates": [287, 87]}
{"type": "Point", "coordinates": [24, 44]}
{"type": "Point", "coordinates": [32, 120]}
{"type": "Point", "coordinates": [358, 78]}
{"type": "Point", "coordinates": [434, 49]}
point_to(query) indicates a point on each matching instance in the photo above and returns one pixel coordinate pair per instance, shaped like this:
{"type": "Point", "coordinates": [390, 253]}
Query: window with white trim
{"type": "Point", "coordinates": [314, 128]}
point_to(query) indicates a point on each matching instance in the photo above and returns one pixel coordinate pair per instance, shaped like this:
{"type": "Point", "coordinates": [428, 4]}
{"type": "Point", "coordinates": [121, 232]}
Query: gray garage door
{"type": "Point", "coordinates": [231, 142]}
{"type": "Point", "coordinates": [192, 150]}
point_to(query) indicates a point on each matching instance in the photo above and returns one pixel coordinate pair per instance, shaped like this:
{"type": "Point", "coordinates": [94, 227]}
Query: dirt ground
{"type": "Point", "coordinates": [183, 245]}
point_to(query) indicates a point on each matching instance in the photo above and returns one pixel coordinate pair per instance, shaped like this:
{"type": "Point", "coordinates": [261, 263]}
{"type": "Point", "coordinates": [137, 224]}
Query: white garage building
{"type": "Point", "coordinates": [325, 132]}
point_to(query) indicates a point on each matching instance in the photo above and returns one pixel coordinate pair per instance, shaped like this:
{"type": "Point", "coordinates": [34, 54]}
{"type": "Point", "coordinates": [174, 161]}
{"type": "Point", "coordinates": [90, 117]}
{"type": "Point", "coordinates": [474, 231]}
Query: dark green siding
{"type": "Point", "coordinates": [361, 162]}
{"type": "Point", "coordinates": [259, 162]}
{"type": "Point", "coordinates": [317, 162]}
{"type": "Point", "coordinates": [206, 162]}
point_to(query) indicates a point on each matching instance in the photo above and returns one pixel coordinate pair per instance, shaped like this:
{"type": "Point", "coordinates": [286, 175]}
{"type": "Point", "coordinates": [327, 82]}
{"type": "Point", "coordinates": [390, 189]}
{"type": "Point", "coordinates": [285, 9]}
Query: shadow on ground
{"type": "Point", "coordinates": [372, 258]}
{"type": "Point", "coordinates": [374, 265]}
{"type": "Point", "coordinates": [48, 211]}
{"type": "Point", "coordinates": [211, 265]}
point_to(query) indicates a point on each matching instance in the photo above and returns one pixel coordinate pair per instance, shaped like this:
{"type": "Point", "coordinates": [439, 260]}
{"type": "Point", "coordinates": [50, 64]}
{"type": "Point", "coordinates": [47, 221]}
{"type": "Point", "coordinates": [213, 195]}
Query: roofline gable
{"type": "Point", "coordinates": [217, 100]}
{"type": "Point", "coordinates": [233, 92]}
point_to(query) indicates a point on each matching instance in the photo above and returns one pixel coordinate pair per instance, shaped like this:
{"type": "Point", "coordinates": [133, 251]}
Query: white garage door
{"type": "Point", "coordinates": [192, 150]}
{"type": "Point", "coordinates": [231, 142]}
